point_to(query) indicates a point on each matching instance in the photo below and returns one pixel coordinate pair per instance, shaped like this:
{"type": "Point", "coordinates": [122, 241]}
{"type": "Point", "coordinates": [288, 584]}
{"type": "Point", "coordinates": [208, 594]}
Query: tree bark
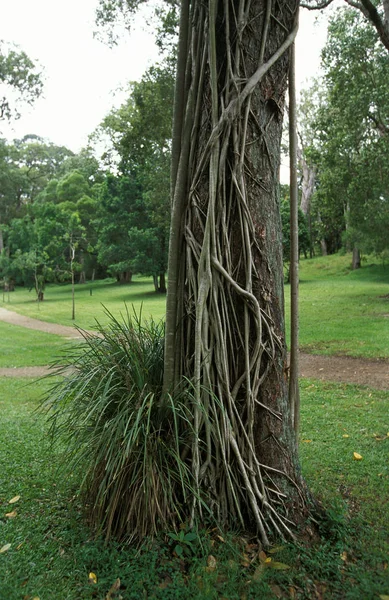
{"type": "Point", "coordinates": [225, 310]}
{"type": "Point", "coordinates": [294, 392]}
{"type": "Point", "coordinates": [356, 264]}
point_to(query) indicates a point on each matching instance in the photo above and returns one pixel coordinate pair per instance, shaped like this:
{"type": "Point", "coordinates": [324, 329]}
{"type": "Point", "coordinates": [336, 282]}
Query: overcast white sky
{"type": "Point", "coordinates": [81, 73]}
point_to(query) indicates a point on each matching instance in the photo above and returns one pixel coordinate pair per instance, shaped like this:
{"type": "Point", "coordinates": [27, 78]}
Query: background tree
{"type": "Point", "coordinates": [20, 82]}
{"type": "Point", "coordinates": [352, 136]}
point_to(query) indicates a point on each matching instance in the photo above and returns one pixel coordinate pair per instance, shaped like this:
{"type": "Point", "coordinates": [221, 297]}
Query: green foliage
{"type": "Point", "coordinates": [303, 234]}
{"type": "Point", "coordinates": [351, 137]}
{"type": "Point", "coordinates": [120, 432]}
{"type": "Point", "coordinates": [19, 77]}
{"type": "Point", "coordinates": [183, 542]}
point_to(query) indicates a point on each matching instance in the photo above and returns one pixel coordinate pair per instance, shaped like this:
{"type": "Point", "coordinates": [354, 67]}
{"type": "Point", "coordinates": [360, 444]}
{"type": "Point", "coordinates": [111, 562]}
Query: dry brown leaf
{"type": "Point", "coordinates": [162, 586]}
{"type": "Point", "coordinates": [14, 500]}
{"type": "Point", "coordinates": [278, 566]}
{"type": "Point", "coordinates": [277, 591]}
{"type": "Point", "coordinates": [262, 556]}
{"type": "Point", "coordinates": [245, 561]}
{"type": "Point", "coordinates": [292, 592]}
{"type": "Point", "coordinates": [11, 515]}
{"type": "Point", "coordinates": [211, 563]}
{"type": "Point", "coordinates": [114, 588]}
{"type": "Point", "coordinates": [259, 571]}
{"type": "Point", "coordinates": [5, 548]}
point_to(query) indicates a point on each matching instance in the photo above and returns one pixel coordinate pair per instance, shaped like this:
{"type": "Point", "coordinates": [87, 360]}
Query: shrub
{"type": "Point", "coordinates": [120, 431]}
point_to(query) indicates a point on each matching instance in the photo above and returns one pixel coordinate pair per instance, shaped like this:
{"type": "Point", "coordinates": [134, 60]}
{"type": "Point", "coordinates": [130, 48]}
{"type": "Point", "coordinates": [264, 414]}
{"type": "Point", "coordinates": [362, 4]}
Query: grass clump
{"type": "Point", "coordinates": [118, 431]}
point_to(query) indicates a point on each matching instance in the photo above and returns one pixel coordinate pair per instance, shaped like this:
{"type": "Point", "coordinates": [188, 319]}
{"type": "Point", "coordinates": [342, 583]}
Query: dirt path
{"type": "Point", "coordinates": [360, 371]}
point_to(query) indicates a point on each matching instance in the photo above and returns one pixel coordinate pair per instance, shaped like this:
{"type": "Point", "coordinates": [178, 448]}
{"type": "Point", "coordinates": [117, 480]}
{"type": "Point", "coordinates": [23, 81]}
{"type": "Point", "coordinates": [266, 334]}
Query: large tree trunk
{"type": "Point", "coordinates": [225, 309]}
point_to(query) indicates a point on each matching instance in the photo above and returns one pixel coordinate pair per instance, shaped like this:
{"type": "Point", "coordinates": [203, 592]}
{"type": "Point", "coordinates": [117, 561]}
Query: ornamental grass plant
{"type": "Point", "coordinates": [119, 433]}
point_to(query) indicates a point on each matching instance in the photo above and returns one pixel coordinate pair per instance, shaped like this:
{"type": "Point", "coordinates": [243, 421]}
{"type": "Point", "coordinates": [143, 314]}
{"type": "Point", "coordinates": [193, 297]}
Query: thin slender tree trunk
{"type": "Point", "coordinates": [356, 264]}
{"type": "Point", "coordinates": [225, 311]}
{"type": "Point", "coordinates": [294, 392]}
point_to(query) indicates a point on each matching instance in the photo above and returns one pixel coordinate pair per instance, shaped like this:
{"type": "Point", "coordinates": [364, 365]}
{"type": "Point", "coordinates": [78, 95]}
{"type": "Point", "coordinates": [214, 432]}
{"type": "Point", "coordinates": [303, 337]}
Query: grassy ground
{"type": "Point", "coordinates": [21, 347]}
{"type": "Point", "coordinates": [52, 551]}
{"type": "Point", "coordinates": [57, 305]}
{"type": "Point", "coordinates": [342, 311]}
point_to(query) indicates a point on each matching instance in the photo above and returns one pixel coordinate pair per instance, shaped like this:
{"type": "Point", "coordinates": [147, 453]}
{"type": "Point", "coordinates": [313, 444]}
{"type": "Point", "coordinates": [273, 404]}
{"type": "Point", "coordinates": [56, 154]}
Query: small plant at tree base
{"type": "Point", "coordinates": [183, 542]}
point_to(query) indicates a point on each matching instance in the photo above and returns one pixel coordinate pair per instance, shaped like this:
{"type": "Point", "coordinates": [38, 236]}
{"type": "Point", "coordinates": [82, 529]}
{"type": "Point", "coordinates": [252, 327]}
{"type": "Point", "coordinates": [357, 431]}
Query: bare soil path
{"type": "Point", "coordinates": [360, 371]}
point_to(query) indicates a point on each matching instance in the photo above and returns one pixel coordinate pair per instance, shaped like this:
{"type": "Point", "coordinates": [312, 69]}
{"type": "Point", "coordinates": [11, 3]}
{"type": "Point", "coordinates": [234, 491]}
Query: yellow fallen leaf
{"type": "Point", "coordinates": [384, 597]}
{"type": "Point", "coordinates": [36, 598]}
{"type": "Point", "coordinates": [306, 441]}
{"type": "Point", "coordinates": [92, 578]}
{"type": "Point", "coordinates": [357, 456]}
{"type": "Point", "coordinates": [268, 560]}
{"type": "Point", "coordinates": [20, 545]}
{"type": "Point", "coordinates": [345, 435]}
{"type": "Point", "coordinates": [11, 515]}
{"type": "Point", "coordinates": [14, 499]}
{"type": "Point", "coordinates": [5, 548]}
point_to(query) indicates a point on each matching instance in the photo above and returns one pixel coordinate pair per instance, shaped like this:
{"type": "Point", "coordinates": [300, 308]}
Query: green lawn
{"type": "Point", "coordinates": [52, 552]}
{"type": "Point", "coordinates": [342, 312]}
{"type": "Point", "coordinates": [21, 347]}
{"type": "Point", "coordinates": [90, 299]}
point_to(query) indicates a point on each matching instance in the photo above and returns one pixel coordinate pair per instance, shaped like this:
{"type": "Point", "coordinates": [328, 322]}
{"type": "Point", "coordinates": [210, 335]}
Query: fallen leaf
{"type": "Point", "coordinates": [343, 556]}
{"type": "Point", "coordinates": [36, 598]}
{"type": "Point", "coordinates": [357, 456]}
{"type": "Point", "coordinates": [277, 591]}
{"type": "Point", "coordinates": [268, 560]}
{"type": "Point", "coordinates": [211, 563]}
{"type": "Point", "coordinates": [5, 548]}
{"type": "Point", "coordinates": [92, 578]}
{"type": "Point", "coordinates": [245, 562]}
{"type": "Point", "coordinates": [276, 549]}
{"type": "Point", "coordinates": [384, 596]}
{"type": "Point", "coordinates": [162, 586]}
{"type": "Point", "coordinates": [306, 441]}
{"type": "Point", "coordinates": [292, 592]}
{"type": "Point", "coordinates": [346, 435]}
{"type": "Point", "coordinates": [259, 571]}
{"type": "Point", "coordinates": [114, 588]}
{"type": "Point", "coordinates": [11, 515]}
{"type": "Point", "coordinates": [14, 499]}
{"type": "Point", "coordinates": [279, 566]}
{"type": "Point", "coordinates": [262, 556]}
{"type": "Point", "coordinates": [20, 545]}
